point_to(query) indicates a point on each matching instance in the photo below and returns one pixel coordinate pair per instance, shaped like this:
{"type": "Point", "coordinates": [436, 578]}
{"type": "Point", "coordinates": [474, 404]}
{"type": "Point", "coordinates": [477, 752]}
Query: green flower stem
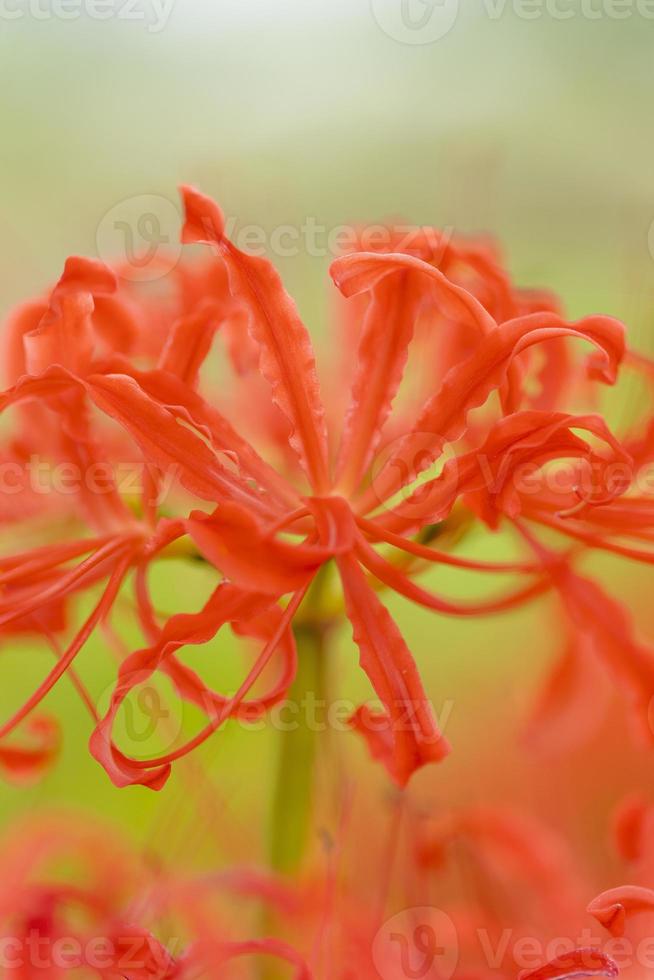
{"type": "Point", "coordinates": [293, 792]}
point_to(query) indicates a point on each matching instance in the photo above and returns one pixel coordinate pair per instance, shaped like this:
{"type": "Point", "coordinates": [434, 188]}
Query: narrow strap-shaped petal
{"type": "Point", "coordinates": [443, 419]}
{"type": "Point", "coordinates": [380, 362]}
{"type": "Point", "coordinates": [190, 407]}
{"type": "Point", "coordinates": [286, 356]}
{"type": "Point", "coordinates": [408, 737]}
{"type": "Point", "coordinates": [189, 343]}
{"type": "Point", "coordinates": [612, 908]}
{"type": "Point", "coordinates": [170, 446]}
{"type": "Point", "coordinates": [578, 963]}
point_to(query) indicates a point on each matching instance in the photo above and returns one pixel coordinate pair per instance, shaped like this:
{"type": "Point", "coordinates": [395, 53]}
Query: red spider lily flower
{"type": "Point", "coordinates": [247, 536]}
{"type": "Point", "coordinates": [271, 532]}
{"type": "Point", "coordinates": [54, 925]}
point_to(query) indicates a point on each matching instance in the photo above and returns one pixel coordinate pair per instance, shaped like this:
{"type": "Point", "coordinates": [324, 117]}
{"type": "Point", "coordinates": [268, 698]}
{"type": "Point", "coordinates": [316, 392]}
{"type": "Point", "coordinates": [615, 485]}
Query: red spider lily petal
{"type": "Point", "coordinates": [189, 343]}
{"type": "Point", "coordinates": [585, 962]}
{"type": "Point", "coordinates": [526, 439]}
{"type": "Point", "coordinates": [102, 505]}
{"type": "Point", "coordinates": [629, 825]}
{"type": "Point", "coordinates": [136, 954]}
{"type": "Point", "coordinates": [381, 360]}
{"type": "Point", "coordinates": [609, 631]}
{"type": "Point", "coordinates": [180, 401]}
{"type": "Point", "coordinates": [468, 385]}
{"type": "Point", "coordinates": [572, 702]}
{"type": "Point", "coordinates": [401, 583]}
{"type": "Point", "coordinates": [594, 539]}
{"type": "Point", "coordinates": [377, 729]}
{"type": "Point", "coordinates": [116, 323]}
{"type": "Point", "coordinates": [513, 849]}
{"type": "Point", "coordinates": [87, 572]}
{"type": "Point", "coordinates": [613, 907]}
{"type": "Point", "coordinates": [376, 533]}
{"type": "Point", "coordinates": [405, 736]}
{"type": "Point", "coordinates": [248, 553]}
{"type": "Point", "coordinates": [51, 617]}
{"type": "Point", "coordinates": [492, 476]}
{"type": "Point", "coordinates": [84, 275]}
{"type": "Point", "coordinates": [286, 355]}
{"type": "Point", "coordinates": [361, 271]}
{"type": "Point", "coordinates": [224, 952]}
{"type": "Point", "coordinates": [65, 335]}
{"type": "Point", "coordinates": [67, 658]}
{"type": "Point", "coordinates": [163, 440]}
{"type": "Point", "coordinates": [263, 626]}
{"type": "Point", "coordinates": [227, 604]}
{"type": "Point", "coordinates": [52, 382]}
{"type": "Point", "coordinates": [28, 761]}
{"type": "Point", "coordinates": [408, 738]}
{"type": "Point", "coordinates": [21, 321]}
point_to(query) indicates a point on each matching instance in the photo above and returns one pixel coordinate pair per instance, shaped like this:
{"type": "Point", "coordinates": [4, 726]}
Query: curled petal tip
{"type": "Point", "coordinates": [613, 918]}
{"type": "Point", "coordinates": [204, 222]}
{"type": "Point", "coordinates": [86, 275]}
{"type": "Point", "coordinates": [612, 907]}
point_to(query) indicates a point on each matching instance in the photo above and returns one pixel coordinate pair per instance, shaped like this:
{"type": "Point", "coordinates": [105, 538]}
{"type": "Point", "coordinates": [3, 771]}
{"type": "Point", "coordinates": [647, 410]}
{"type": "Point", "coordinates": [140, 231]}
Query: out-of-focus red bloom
{"type": "Point", "coordinates": [79, 899]}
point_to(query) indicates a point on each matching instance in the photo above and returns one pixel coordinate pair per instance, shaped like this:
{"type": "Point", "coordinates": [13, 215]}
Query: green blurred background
{"type": "Point", "coordinates": [538, 130]}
